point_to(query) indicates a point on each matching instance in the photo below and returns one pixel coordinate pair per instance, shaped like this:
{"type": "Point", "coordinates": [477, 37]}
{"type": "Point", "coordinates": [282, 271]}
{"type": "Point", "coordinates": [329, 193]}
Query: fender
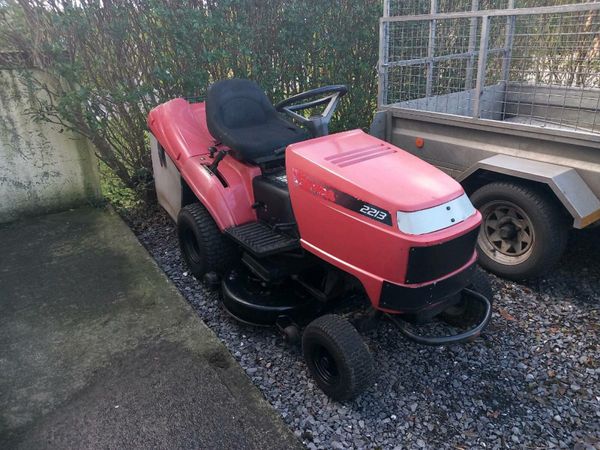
{"type": "Point", "coordinates": [229, 205]}
{"type": "Point", "coordinates": [570, 189]}
{"type": "Point", "coordinates": [170, 177]}
{"type": "Point", "coordinates": [182, 156]}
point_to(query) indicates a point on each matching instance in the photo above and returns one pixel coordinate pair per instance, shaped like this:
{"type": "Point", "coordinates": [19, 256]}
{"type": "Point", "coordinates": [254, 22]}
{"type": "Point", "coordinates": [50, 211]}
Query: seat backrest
{"type": "Point", "coordinates": [236, 103]}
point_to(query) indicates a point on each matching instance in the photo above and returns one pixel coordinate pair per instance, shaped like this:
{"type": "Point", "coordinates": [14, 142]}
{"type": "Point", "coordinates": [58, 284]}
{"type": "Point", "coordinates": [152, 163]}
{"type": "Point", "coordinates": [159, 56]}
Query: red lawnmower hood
{"type": "Point", "coordinates": [372, 170]}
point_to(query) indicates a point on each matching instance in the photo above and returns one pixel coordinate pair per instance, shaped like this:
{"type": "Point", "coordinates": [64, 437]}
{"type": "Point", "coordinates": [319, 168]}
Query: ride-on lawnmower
{"type": "Point", "coordinates": [290, 220]}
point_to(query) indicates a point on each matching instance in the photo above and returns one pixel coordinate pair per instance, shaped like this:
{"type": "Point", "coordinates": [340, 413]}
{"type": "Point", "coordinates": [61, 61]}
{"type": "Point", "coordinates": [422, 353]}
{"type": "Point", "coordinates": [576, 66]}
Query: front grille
{"type": "Point", "coordinates": [435, 261]}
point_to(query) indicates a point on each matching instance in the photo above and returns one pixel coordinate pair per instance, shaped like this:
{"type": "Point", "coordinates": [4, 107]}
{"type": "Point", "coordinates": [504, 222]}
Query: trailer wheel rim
{"type": "Point", "coordinates": [507, 234]}
{"type": "Point", "coordinates": [325, 366]}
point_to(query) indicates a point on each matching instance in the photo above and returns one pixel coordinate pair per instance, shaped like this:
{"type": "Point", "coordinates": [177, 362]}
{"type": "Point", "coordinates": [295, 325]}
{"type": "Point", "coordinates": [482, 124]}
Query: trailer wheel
{"type": "Point", "coordinates": [523, 232]}
{"type": "Point", "coordinates": [467, 311]}
{"type": "Point", "coordinates": [204, 248]}
{"type": "Point", "coordinates": [337, 358]}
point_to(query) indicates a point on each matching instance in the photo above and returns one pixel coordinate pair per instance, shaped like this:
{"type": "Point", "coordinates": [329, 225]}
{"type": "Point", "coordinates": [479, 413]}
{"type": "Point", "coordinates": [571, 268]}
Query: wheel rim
{"type": "Point", "coordinates": [191, 247]}
{"type": "Point", "coordinates": [325, 366]}
{"type": "Point", "coordinates": [506, 234]}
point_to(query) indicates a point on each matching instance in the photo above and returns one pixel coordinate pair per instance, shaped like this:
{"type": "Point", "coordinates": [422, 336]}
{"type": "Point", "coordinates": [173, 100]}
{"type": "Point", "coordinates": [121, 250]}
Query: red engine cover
{"type": "Point", "coordinates": [346, 189]}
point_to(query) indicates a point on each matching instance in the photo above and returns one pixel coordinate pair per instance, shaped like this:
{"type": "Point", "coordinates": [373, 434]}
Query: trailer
{"type": "Point", "coordinates": [506, 99]}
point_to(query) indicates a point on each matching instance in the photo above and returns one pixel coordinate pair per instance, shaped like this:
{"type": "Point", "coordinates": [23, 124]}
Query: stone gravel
{"type": "Point", "coordinates": [531, 381]}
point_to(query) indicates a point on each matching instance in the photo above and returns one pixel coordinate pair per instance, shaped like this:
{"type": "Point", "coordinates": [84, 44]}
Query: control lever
{"type": "Point", "coordinates": [220, 155]}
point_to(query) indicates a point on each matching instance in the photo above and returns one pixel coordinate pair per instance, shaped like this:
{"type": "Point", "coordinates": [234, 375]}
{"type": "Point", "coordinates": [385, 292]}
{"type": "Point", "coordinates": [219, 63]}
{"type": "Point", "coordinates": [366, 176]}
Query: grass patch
{"type": "Point", "coordinates": [122, 198]}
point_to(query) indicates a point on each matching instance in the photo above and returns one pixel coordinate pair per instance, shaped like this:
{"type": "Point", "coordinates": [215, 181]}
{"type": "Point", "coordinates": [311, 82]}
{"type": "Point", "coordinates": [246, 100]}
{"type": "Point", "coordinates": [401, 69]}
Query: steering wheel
{"type": "Point", "coordinates": [317, 124]}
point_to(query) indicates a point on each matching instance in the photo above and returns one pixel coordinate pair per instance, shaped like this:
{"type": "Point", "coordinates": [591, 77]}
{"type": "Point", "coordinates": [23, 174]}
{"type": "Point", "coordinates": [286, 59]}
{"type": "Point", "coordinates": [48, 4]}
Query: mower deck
{"type": "Point", "coordinates": [252, 301]}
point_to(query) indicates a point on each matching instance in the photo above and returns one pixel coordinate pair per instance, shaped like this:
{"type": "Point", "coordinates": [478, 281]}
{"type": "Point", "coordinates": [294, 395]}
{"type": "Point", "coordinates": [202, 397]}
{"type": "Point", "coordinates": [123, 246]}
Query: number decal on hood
{"type": "Point", "coordinates": [319, 189]}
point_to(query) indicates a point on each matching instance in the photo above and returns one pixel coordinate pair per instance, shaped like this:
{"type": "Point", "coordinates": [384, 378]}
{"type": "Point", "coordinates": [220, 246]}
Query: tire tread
{"type": "Point", "coordinates": [219, 251]}
{"type": "Point", "coordinates": [547, 211]}
{"type": "Point", "coordinates": [350, 345]}
{"type": "Point", "coordinates": [461, 319]}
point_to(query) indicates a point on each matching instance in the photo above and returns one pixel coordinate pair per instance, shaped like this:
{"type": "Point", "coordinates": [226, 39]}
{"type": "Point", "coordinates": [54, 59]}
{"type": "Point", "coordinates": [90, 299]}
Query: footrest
{"type": "Point", "coordinates": [261, 240]}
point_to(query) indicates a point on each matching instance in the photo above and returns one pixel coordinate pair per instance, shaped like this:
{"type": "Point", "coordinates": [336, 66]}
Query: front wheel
{"type": "Point", "coordinates": [523, 232]}
{"type": "Point", "coordinates": [337, 358]}
{"type": "Point", "coordinates": [468, 311]}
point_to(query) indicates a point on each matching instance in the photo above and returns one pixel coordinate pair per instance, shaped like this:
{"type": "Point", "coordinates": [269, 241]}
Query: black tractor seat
{"type": "Point", "coordinates": [239, 115]}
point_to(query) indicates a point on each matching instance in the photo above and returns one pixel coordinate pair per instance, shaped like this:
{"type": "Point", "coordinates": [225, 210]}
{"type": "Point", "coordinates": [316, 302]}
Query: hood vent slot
{"type": "Point", "coordinates": [360, 154]}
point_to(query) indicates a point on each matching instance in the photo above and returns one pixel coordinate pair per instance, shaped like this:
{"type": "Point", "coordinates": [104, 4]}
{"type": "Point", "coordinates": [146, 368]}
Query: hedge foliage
{"type": "Point", "coordinates": [115, 60]}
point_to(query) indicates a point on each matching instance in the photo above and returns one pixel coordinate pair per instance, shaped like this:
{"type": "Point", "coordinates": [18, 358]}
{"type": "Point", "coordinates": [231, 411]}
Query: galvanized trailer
{"type": "Point", "coordinates": [507, 101]}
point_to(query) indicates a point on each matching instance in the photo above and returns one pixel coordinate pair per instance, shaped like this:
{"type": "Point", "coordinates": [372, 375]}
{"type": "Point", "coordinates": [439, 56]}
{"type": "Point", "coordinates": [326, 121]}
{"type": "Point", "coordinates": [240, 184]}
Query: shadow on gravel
{"type": "Point", "coordinates": [530, 382]}
{"type": "Point", "coordinates": [578, 274]}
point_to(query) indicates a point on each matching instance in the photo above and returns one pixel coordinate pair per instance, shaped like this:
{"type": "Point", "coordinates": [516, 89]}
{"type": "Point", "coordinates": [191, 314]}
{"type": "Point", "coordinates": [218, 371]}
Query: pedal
{"type": "Point", "coordinates": [262, 240]}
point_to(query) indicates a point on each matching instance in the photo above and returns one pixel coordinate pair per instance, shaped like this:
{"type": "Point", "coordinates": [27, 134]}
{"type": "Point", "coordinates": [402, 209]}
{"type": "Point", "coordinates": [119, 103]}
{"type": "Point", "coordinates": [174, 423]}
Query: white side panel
{"type": "Point", "coordinates": [166, 179]}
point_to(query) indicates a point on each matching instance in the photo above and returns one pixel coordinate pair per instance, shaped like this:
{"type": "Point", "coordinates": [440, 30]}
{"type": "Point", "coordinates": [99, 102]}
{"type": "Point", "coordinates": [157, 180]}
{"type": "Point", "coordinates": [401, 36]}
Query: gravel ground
{"type": "Point", "coordinates": [532, 381]}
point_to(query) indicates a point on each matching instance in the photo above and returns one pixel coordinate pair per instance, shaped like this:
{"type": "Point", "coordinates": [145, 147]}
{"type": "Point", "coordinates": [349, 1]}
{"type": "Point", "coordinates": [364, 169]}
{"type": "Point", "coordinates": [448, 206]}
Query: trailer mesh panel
{"type": "Point", "coordinates": [540, 69]}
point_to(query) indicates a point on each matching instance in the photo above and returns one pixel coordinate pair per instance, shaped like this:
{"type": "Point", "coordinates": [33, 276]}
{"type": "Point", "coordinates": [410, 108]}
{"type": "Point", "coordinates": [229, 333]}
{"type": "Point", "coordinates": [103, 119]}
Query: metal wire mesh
{"type": "Point", "coordinates": [413, 7]}
{"type": "Point", "coordinates": [540, 69]}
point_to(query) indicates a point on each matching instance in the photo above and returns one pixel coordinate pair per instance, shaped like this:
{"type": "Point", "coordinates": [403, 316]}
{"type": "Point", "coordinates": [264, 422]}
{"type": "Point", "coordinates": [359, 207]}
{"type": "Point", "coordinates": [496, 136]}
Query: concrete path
{"type": "Point", "coordinates": [98, 349]}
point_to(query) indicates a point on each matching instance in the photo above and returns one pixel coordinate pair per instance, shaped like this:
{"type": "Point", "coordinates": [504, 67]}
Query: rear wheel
{"type": "Point", "coordinates": [337, 358]}
{"type": "Point", "coordinates": [523, 232]}
{"type": "Point", "coordinates": [204, 248]}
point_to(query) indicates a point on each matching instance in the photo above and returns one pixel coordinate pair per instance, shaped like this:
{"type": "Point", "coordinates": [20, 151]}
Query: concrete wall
{"type": "Point", "coordinates": [42, 168]}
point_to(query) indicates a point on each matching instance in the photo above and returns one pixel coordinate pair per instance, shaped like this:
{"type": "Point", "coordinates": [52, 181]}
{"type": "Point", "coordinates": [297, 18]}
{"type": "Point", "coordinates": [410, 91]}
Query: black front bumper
{"type": "Point", "coordinates": [412, 300]}
{"type": "Point", "coordinates": [463, 336]}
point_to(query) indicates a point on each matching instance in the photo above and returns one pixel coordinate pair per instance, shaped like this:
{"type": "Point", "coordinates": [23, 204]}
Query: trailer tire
{"type": "Point", "coordinates": [203, 247]}
{"type": "Point", "coordinates": [337, 357]}
{"type": "Point", "coordinates": [523, 233]}
{"type": "Point", "coordinates": [468, 312]}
